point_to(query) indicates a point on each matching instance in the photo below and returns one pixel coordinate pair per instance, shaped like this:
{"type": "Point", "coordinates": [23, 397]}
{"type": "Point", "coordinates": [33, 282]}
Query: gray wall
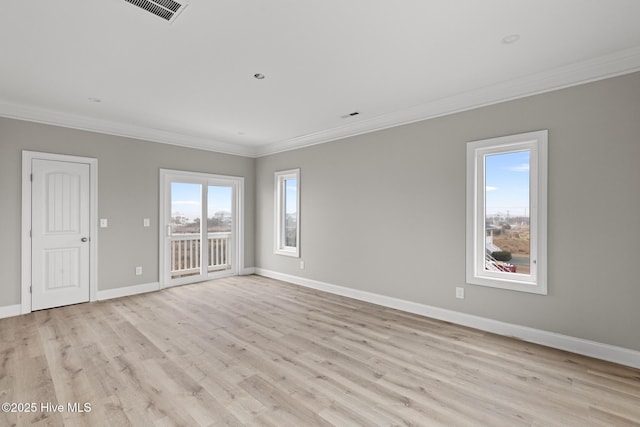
{"type": "Point", "coordinates": [385, 212]}
{"type": "Point", "coordinates": [410, 179]}
{"type": "Point", "coordinates": [128, 191]}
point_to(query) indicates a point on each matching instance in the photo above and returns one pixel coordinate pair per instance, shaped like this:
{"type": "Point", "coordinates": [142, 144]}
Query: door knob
{"type": "Point", "coordinates": [84, 239]}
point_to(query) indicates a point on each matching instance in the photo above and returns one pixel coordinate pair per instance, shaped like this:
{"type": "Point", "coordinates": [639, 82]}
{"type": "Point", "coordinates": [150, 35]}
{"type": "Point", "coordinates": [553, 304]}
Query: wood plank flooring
{"type": "Point", "coordinates": [259, 352]}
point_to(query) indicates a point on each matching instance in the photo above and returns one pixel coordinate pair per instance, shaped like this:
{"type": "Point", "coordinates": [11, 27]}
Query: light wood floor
{"type": "Point", "coordinates": [255, 351]}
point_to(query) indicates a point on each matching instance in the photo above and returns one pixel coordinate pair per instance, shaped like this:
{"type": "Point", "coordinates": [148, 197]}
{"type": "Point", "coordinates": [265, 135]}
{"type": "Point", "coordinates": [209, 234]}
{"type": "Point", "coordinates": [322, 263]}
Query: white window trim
{"type": "Point", "coordinates": [280, 178]}
{"type": "Point", "coordinates": [536, 142]}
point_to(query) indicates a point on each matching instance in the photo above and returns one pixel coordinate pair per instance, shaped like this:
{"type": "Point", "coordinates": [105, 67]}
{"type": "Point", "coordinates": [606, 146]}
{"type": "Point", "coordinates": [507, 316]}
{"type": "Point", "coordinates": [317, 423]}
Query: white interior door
{"type": "Point", "coordinates": [60, 216]}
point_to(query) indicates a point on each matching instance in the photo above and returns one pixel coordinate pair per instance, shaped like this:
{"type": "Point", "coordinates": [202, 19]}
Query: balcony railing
{"type": "Point", "coordinates": [186, 253]}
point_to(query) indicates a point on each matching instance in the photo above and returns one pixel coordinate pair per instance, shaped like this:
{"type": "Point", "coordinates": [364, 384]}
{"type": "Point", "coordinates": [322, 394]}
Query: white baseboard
{"type": "Point", "coordinates": [126, 291]}
{"type": "Point", "coordinates": [10, 310]}
{"type": "Point", "coordinates": [581, 346]}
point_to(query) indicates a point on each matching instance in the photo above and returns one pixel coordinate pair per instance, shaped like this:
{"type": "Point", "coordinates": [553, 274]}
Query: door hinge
{"type": "Point", "coordinates": [30, 233]}
{"type": "Point", "coordinates": [31, 177]}
{"type": "Point", "coordinates": [30, 289]}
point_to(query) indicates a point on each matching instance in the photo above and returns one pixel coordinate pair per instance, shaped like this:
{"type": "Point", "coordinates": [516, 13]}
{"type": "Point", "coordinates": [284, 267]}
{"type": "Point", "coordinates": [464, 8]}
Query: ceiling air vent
{"type": "Point", "coordinates": [165, 9]}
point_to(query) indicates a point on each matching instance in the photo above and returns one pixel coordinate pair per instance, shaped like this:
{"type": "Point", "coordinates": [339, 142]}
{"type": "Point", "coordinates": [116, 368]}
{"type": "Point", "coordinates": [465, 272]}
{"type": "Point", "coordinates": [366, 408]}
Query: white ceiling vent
{"type": "Point", "coordinates": [165, 9]}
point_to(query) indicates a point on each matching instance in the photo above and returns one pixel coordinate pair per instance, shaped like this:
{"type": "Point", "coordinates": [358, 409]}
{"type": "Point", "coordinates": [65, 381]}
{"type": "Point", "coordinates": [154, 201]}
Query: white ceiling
{"type": "Point", "coordinates": [191, 82]}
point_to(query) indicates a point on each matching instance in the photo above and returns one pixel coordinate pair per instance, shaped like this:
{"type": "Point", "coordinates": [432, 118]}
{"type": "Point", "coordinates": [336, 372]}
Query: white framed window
{"type": "Point", "coordinates": [507, 212]}
{"type": "Point", "coordinates": [287, 203]}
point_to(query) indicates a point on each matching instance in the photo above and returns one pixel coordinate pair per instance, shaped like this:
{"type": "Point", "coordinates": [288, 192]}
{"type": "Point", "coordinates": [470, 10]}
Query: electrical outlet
{"type": "Point", "coordinates": [138, 271]}
{"type": "Point", "coordinates": [104, 223]}
{"type": "Point", "coordinates": [146, 222]}
{"type": "Point", "coordinates": [460, 293]}
{"type": "Point", "coordinates": [301, 265]}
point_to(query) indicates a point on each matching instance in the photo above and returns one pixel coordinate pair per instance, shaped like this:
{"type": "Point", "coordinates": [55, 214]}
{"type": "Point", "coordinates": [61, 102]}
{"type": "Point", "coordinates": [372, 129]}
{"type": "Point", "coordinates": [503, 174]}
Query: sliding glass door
{"type": "Point", "coordinates": [201, 221]}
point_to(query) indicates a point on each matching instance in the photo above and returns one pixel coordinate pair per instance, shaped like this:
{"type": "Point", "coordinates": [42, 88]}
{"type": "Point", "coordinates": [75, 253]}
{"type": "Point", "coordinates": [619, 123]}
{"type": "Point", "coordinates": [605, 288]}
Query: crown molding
{"type": "Point", "coordinates": [74, 121]}
{"type": "Point", "coordinates": [615, 64]}
{"type": "Point", "coordinates": [619, 63]}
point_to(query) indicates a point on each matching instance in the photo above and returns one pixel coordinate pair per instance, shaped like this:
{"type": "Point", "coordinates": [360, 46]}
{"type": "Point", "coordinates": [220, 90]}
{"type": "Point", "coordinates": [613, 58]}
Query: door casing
{"type": "Point", "coordinates": [27, 158]}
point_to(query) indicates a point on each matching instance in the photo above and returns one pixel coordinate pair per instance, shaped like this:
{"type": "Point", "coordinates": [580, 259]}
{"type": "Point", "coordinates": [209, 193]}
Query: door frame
{"type": "Point", "coordinates": [166, 175]}
{"type": "Point", "coordinates": [27, 158]}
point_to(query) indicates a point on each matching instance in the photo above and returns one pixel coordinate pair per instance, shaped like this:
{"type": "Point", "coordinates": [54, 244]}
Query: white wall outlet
{"type": "Point", "coordinates": [104, 223]}
{"type": "Point", "coordinates": [301, 265]}
{"type": "Point", "coordinates": [146, 222]}
{"type": "Point", "coordinates": [460, 293]}
{"type": "Point", "coordinates": [138, 271]}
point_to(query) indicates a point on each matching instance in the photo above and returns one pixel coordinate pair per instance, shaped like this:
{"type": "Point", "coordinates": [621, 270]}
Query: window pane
{"type": "Point", "coordinates": [507, 212]}
{"type": "Point", "coordinates": [219, 209]}
{"type": "Point", "coordinates": [287, 224]}
{"type": "Point", "coordinates": [186, 208]}
{"type": "Point", "coordinates": [186, 215]}
{"type": "Point", "coordinates": [290, 212]}
{"type": "Point", "coordinates": [219, 221]}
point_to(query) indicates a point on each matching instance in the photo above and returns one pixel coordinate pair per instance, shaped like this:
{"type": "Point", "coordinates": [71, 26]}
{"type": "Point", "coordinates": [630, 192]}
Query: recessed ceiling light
{"type": "Point", "coordinates": [96, 100]}
{"type": "Point", "coordinates": [510, 39]}
{"type": "Point", "coordinates": [258, 76]}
